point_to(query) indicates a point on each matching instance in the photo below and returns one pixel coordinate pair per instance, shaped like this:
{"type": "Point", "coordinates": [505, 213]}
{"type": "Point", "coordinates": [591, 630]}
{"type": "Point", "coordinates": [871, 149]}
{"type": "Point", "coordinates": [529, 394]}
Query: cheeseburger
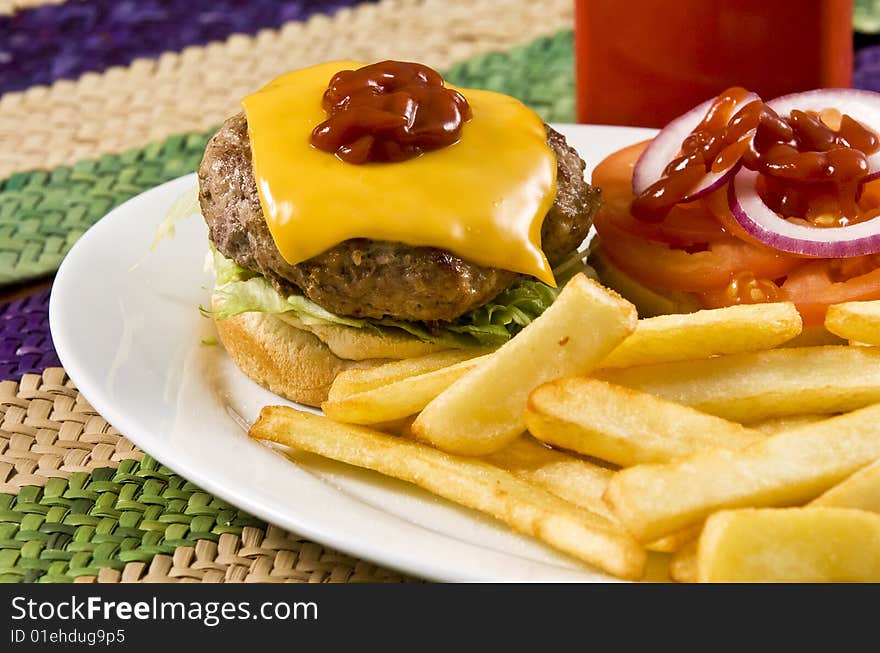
{"type": "Point", "coordinates": [360, 213]}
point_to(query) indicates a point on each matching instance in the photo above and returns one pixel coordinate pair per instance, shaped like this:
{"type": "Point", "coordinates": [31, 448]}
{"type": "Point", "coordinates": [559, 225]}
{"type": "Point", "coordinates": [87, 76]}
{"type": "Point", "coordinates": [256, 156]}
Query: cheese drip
{"type": "Point", "coordinates": [483, 198]}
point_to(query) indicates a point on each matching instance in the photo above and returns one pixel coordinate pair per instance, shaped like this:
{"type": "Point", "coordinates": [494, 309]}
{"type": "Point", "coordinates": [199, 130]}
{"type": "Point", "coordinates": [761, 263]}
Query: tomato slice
{"type": "Point", "coordinates": [718, 204]}
{"type": "Point", "coordinates": [684, 226]}
{"type": "Point", "coordinates": [614, 176]}
{"type": "Point", "coordinates": [816, 285]}
{"type": "Point", "coordinates": [658, 265]}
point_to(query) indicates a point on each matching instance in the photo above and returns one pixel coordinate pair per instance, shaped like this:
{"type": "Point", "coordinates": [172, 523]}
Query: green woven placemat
{"type": "Point", "coordinates": [79, 503]}
{"type": "Point", "coordinates": [541, 74]}
{"type": "Point", "coordinates": [76, 526]}
{"type": "Point", "coordinates": [43, 213]}
{"type": "Point", "coordinates": [866, 16]}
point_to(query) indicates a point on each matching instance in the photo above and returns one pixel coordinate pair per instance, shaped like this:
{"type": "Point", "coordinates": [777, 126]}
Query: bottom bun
{"type": "Point", "coordinates": [288, 361]}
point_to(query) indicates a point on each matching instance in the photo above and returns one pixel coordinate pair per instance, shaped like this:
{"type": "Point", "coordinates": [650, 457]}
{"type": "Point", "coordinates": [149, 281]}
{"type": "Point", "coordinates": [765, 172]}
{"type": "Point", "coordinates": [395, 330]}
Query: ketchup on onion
{"type": "Point", "coordinates": [716, 144]}
{"type": "Point", "coordinates": [812, 163]}
{"type": "Point", "coordinates": [389, 111]}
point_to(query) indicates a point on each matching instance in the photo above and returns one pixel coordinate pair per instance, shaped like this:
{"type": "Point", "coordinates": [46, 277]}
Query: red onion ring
{"type": "Point", "coordinates": [764, 224]}
{"type": "Point", "coordinates": [862, 106]}
{"type": "Point", "coordinates": [666, 146]}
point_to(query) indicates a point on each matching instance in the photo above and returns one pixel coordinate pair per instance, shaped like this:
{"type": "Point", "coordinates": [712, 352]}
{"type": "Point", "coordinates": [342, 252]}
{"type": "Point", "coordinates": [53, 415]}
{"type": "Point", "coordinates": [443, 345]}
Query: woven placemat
{"type": "Point", "coordinates": [866, 16]}
{"type": "Point", "coordinates": [43, 213]}
{"type": "Point", "coordinates": [80, 503]}
{"type": "Point", "coordinates": [25, 343]}
{"type": "Point", "coordinates": [191, 90]}
{"type": "Point", "coordinates": [112, 33]}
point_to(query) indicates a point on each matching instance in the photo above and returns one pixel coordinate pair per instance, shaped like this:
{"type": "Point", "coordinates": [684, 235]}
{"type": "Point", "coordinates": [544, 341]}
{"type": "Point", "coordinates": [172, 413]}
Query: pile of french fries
{"type": "Point", "coordinates": [699, 437]}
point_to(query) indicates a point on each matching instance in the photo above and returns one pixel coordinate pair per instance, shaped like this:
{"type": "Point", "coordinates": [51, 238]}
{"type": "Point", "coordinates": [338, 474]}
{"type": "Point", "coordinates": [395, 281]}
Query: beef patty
{"type": "Point", "coordinates": [370, 278]}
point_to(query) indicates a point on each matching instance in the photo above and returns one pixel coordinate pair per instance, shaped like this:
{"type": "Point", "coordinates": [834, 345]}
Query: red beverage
{"type": "Point", "coordinates": [644, 62]}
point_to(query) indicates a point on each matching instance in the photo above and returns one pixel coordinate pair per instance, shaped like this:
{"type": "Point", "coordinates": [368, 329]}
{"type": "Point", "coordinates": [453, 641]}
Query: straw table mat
{"type": "Point", "coordinates": [101, 100]}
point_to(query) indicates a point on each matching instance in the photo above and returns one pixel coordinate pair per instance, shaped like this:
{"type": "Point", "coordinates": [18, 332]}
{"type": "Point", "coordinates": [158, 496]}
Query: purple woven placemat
{"type": "Point", "coordinates": [25, 343]}
{"type": "Point", "coordinates": [63, 41]}
{"type": "Point", "coordinates": [866, 68]}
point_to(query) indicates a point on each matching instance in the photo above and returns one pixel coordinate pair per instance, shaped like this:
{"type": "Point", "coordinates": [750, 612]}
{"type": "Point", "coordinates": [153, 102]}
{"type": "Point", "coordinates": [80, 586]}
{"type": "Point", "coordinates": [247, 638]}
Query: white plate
{"type": "Point", "coordinates": [126, 326]}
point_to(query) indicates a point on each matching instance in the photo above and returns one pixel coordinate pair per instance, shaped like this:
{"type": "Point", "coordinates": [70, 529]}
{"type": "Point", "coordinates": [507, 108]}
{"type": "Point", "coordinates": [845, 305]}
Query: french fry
{"type": "Point", "coordinates": [683, 565]}
{"type": "Point", "coordinates": [861, 491]}
{"type": "Point", "coordinates": [692, 336]}
{"type": "Point", "coordinates": [574, 479]}
{"type": "Point", "coordinates": [624, 426]}
{"type": "Point", "coordinates": [761, 385]}
{"type": "Point", "coordinates": [675, 541]}
{"type": "Point", "coordinates": [483, 410]}
{"type": "Point", "coordinates": [355, 381]}
{"type": "Point", "coordinates": [394, 427]}
{"type": "Point", "coordinates": [785, 423]}
{"type": "Point", "coordinates": [472, 483]}
{"type": "Point", "coordinates": [807, 545]}
{"type": "Point", "coordinates": [858, 321]}
{"type": "Point", "coordinates": [785, 469]}
{"type": "Point", "coordinates": [397, 399]}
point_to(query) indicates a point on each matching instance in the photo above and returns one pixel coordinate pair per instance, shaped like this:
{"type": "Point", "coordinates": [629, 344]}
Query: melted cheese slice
{"type": "Point", "coordinates": [483, 198]}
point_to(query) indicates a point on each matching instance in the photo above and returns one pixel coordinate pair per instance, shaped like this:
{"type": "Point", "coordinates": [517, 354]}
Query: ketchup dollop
{"type": "Point", "coordinates": [389, 111]}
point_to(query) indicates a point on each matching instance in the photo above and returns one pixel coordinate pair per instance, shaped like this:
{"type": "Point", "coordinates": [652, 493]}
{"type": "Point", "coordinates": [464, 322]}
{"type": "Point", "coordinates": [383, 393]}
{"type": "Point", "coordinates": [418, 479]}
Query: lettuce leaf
{"type": "Point", "coordinates": [186, 205]}
{"type": "Point", "coordinates": [243, 291]}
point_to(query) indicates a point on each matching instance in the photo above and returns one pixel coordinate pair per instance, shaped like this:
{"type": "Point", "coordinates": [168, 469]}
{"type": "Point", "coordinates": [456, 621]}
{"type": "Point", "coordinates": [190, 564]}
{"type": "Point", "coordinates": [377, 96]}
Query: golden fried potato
{"type": "Point", "coordinates": [356, 381]}
{"type": "Point", "coordinates": [675, 541]}
{"type": "Point", "coordinates": [755, 386]}
{"type": "Point", "coordinates": [570, 477]}
{"type": "Point", "coordinates": [483, 411]}
{"type": "Point", "coordinates": [624, 426]}
{"type": "Point", "coordinates": [575, 479]}
{"type": "Point", "coordinates": [785, 423]}
{"type": "Point", "coordinates": [788, 545]}
{"type": "Point", "coordinates": [397, 399]}
{"type": "Point", "coordinates": [683, 565]}
{"type": "Point", "coordinates": [692, 336]}
{"type": "Point", "coordinates": [859, 321]}
{"type": "Point", "coordinates": [861, 490]}
{"type": "Point", "coordinates": [470, 482]}
{"type": "Point", "coordinates": [785, 469]}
